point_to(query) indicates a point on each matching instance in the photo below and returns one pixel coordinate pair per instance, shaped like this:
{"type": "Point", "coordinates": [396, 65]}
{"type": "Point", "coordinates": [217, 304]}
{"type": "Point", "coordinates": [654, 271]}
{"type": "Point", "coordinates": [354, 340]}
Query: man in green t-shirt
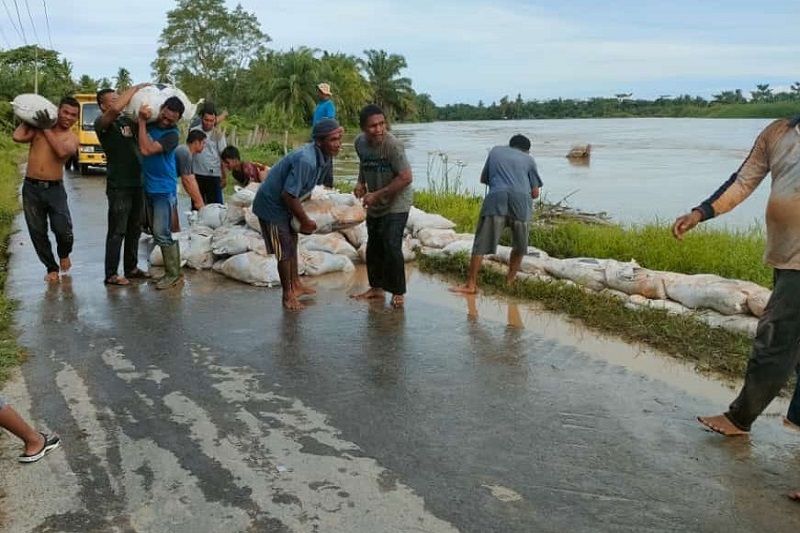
{"type": "Point", "coordinates": [123, 185]}
{"type": "Point", "coordinates": [384, 186]}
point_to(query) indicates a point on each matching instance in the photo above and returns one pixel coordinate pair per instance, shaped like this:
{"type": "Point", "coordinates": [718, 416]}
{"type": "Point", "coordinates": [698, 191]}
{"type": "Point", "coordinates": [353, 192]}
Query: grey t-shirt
{"type": "Point", "coordinates": [183, 160]}
{"type": "Point", "coordinates": [378, 166]}
{"type": "Point", "coordinates": [207, 162]}
{"type": "Point", "coordinates": [511, 175]}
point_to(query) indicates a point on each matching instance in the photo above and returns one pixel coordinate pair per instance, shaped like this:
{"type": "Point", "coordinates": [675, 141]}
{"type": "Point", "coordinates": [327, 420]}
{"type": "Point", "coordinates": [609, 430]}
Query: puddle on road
{"type": "Point", "coordinates": [552, 326]}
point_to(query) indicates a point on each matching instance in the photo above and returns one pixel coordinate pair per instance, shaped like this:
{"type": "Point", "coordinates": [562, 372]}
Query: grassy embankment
{"type": "Point", "coordinates": [10, 353]}
{"type": "Point", "coordinates": [732, 255]}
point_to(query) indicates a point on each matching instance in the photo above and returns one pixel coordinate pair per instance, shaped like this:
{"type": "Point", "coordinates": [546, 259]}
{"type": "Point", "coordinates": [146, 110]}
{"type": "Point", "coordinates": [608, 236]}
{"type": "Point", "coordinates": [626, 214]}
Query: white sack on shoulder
{"type": "Point", "coordinates": [154, 96]}
{"type": "Point", "coordinates": [26, 106]}
{"type": "Point", "coordinates": [251, 268]}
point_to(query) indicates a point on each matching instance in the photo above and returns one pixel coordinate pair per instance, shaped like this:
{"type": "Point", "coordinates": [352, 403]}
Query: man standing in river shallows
{"type": "Point", "coordinates": [775, 352]}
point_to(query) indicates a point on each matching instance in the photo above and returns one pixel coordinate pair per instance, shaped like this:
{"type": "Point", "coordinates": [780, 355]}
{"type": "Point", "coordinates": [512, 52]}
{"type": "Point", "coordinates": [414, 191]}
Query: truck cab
{"type": "Point", "coordinates": [90, 153]}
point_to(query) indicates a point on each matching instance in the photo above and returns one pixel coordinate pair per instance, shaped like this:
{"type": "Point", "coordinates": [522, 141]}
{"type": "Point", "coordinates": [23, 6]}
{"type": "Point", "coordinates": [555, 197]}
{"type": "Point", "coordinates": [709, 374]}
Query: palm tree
{"type": "Point", "coordinates": [123, 78]}
{"type": "Point", "coordinates": [389, 90]}
{"type": "Point", "coordinates": [162, 73]}
{"type": "Point", "coordinates": [294, 88]}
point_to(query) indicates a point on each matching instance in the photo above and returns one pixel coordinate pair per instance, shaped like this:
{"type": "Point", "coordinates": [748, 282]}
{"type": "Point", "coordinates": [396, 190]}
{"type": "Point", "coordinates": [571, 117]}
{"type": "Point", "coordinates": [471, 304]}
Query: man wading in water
{"type": "Point", "coordinates": [775, 351]}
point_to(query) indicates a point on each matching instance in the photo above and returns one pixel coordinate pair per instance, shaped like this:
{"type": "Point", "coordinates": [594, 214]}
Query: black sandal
{"type": "Point", "coordinates": [51, 442]}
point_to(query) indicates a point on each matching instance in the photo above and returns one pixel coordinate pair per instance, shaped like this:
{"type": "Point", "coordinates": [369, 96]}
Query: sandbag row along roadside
{"type": "Point", "coordinates": [734, 305]}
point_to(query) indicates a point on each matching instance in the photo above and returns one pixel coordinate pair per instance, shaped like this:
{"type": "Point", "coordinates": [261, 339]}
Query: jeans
{"type": "Point", "coordinates": [386, 267]}
{"type": "Point", "coordinates": [775, 353]}
{"type": "Point", "coordinates": [124, 224]}
{"type": "Point", "coordinates": [210, 189]}
{"type": "Point", "coordinates": [42, 201]}
{"type": "Point", "coordinates": [159, 207]}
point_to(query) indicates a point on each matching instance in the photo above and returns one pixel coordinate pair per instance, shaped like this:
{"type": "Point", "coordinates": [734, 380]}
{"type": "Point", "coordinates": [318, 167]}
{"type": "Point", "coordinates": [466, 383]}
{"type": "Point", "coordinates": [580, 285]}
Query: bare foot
{"type": "Point", "coordinates": [65, 264]}
{"type": "Point", "coordinates": [371, 294]}
{"type": "Point", "coordinates": [795, 496]}
{"type": "Point", "coordinates": [34, 446]}
{"type": "Point", "coordinates": [789, 424]}
{"type": "Point", "coordinates": [117, 280]}
{"type": "Point", "coordinates": [51, 277]}
{"type": "Point", "coordinates": [304, 290]}
{"type": "Point", "coordinates": [464, 289]}
{"type": "Point", "coordinates": [720, 424]}
{"type": "Point", "coordinates": [398, 301]}
{"type": "Point", "coordinates": [292, 303]}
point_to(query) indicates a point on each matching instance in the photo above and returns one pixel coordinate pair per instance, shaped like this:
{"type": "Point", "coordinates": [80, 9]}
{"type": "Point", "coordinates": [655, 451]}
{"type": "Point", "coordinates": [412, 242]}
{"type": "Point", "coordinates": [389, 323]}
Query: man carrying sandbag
{"type": "Point", "coordinates": [775, 353]}
{"type": "Point", "coordinates": [43, 193]}
{"type": "Point", "coordinates": [513, 180]}
{"type": "Point", "coordinates": [384, 186]}
{"type": "Point", "coordinates": [157, 143]}
{"type": "Point", "coordinates": [278, 200]}
{"type": "Point", "coordinates": [123, 185]}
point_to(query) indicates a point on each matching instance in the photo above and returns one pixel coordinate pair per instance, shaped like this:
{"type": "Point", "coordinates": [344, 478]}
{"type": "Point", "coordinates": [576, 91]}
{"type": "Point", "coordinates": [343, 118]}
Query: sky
{"type": "Point", "coordinates": [470, 50]}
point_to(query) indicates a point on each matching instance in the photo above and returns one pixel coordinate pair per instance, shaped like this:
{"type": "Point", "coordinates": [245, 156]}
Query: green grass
{"type": "Point", "coordinates": [735, 255]}
{"type": "Point", "coordinates": [10, 353]}
{"type": "Point", "coordinates": [683, 337]}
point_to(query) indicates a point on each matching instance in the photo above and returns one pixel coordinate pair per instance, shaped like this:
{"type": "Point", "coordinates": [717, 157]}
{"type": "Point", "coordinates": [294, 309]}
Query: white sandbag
{"type": "Point", "coordinates": [242, 196]}
{"type": "Point", "coordinates": [534, 262]}
{"type": "Point", "coordinates": [419, 220]}
{"type": "Point", "coordinates": [212, 215]}
{"type": "Point", "coordinates": [234, 240]}
{"type": "Point", "coordinates": [425, 250]}
{"type": "Point", "coordinates": [356, 235]}
{"type": "Point", "coordinates": [630, 278]}
{"type": "Point", "coordinates": [251, 268]}
{"type": "Point", "coordinates": [436, 238]}
{"type": "Point", "coordinates": [198, 251]}
{"type": "Point", "coordinates": [156, 259]}
{"type": "Point", "coordinates": [332, 243]}
{"type": "Point", "coordinates": [26, 106]}
{"type": "Point", "coordinates": [706, 291]}
{"type": "Point", "coordinates": [737, 323]}
{"type": "Point", "coordinates": [154, 96]}
{"type": "Point", "coordinates": [458, 247]}
{"type": "Point", "coordinates": [251, 220]}
{"type": "Point", "coordinates": [757, 297]}
{"type": "Point", "coordinates": [234, 215]}
{"type": "Point", "coordinates": [332, 213]}
{"type": "Point", "coordinates": [585, 271]}
{"type": "Point", "coordinates": [318, 263]}
{"type": "Point", "coordinates": [409, 245]}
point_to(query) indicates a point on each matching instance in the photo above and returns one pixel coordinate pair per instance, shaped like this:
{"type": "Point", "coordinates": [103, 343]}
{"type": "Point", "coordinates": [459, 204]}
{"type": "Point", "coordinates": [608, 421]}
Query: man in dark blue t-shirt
{"type": "Point", "coordinates": [278, 199]}
{"type": "Point", "coordinates": [157, 143]}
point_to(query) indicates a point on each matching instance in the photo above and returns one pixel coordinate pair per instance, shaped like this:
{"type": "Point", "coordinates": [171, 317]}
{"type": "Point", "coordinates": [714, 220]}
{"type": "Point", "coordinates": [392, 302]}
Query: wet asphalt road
{"type": "Point", "coordinates": [211, 409]}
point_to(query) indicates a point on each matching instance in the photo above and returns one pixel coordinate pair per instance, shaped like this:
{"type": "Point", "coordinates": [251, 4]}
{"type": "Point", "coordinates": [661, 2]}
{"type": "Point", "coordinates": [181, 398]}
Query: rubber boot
{"type": "Point", "coordinates": [172, 266]}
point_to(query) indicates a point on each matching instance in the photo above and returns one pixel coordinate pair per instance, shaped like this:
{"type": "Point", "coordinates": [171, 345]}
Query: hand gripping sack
{"type": "Point", "coordinates": [154, 96]}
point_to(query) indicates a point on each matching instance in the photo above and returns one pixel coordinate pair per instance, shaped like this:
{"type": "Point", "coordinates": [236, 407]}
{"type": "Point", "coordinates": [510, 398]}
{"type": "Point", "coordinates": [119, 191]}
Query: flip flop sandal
{"type": "Point", "coordinates": [117, 280]}
{"type": "Point", "coordinates": [51, 442]}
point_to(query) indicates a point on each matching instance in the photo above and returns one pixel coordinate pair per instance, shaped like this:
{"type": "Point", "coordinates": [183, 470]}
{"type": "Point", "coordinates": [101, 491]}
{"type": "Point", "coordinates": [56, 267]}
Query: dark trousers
{"type": "Point", "coordinates": [210, 189]}
{"type": "Point", "coordinates": [386, 267]}
{"type": "Point", "coordinates": [43, 201]}
{"type": "Point", "coordinates": [775, 352]}
{"type": "Point", "coordinates": [125, 208]}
